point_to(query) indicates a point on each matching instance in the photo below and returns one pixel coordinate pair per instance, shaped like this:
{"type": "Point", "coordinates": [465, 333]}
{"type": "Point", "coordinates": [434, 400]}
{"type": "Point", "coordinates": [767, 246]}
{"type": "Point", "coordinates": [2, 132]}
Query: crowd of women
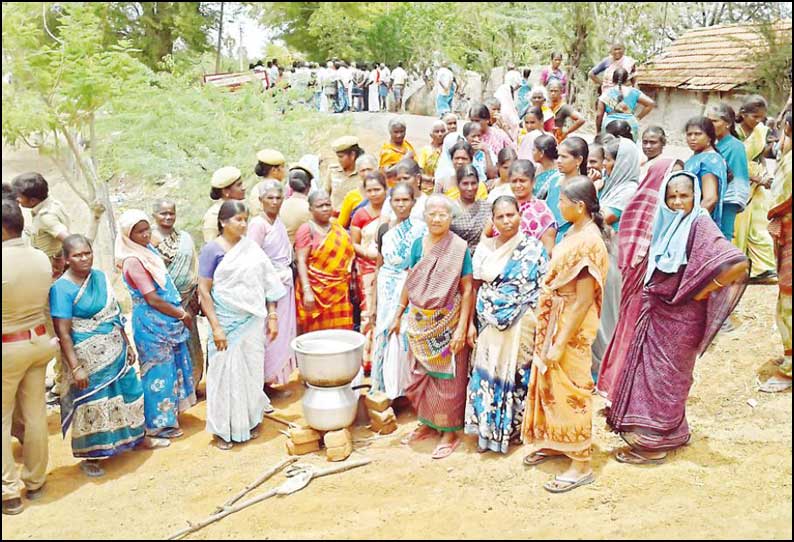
{"type": "Point", "coordinates": [502, 276]}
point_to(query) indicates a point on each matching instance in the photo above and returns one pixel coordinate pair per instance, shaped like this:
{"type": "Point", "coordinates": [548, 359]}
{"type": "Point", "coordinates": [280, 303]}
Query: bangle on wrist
{"type": "Point", "coordinates": [719, 285]}
{"type": "Point", "coordinates": [272, 315]}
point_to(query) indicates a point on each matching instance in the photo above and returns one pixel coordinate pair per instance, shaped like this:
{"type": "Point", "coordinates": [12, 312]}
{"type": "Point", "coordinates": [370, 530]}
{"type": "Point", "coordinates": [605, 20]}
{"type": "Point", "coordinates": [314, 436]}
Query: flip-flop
{"type": "Point", "coordinates": [152, 443]}
{"type": "Point", "coordinates": [773, 385]}
{"type": "Point", "coordinates": [553, 487]}
{"type": "Point", "coordinates": [536, 458]}
{"type": "Point", "coordinates": [173, 432]}
{"type": "Point", "coordinates": [222, 444]}
{"type": "Point", "coordinates": [445, 450]}
{"type": "Point", "coordinates": [91, 469]}
{"type": "Point", "coordinates": [631, 457]}
{"type": "Point", "coordinates": [416, 436]}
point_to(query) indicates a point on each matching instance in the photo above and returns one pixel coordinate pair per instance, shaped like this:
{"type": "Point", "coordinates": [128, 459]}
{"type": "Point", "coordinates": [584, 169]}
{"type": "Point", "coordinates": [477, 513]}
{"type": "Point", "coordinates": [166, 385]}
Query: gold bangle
{"type": "Point", "coordinates": [715, 281]}
{"type": "Point", "coordinates": [272, 314]}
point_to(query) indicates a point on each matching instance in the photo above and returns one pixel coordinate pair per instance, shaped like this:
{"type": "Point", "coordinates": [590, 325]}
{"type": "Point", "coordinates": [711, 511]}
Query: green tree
{"type": "Point", "coordinates": [59, 86]}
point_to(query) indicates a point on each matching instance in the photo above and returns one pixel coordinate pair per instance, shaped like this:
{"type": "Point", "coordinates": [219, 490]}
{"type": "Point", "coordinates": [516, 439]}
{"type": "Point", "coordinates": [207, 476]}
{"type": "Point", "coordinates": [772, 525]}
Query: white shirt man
{"type": "Point", "coordinates": [444, 78]}
{"type": "Point", "coordinates": [399, 76]}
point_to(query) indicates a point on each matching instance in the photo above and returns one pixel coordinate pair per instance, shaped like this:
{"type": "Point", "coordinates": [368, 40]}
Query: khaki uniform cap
{"type": "Point", "coordinates": [271, 157]}
{"type": "Point", "coordinates": [225, 177]}
{"type": "Point", "coordinates": [344, 143]}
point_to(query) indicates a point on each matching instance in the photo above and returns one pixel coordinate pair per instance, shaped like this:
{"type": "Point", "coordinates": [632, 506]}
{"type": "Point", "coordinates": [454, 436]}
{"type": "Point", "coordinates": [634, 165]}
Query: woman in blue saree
{"type": "Point", "coordinates": [508, 271]}
{"type": "Point", "coordinates": [103, 402]}
{"type": "Point", "coordinates": [160, 325]}
{"type": "Point", "coordinates": [395, 253]}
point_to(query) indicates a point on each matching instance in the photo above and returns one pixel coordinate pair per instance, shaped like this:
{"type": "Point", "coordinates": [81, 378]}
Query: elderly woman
{"type": "Point", "coordinates": [539, 98]}
{"type": "Point", "coordinates": [397, 147]}
{"type": "Point", "coordinates": [101, 384]}
{"type": "Point", "coordinates": [181, 259]}
{"type": "Point", "coordinates": [161, 327]}
{"type": "Point", "coordinates": [365, 164]}
{"type": "Point", "coordinates": [439, 289]}
{"type": "Point", "coordinates": [363, 232]}
{"type": "Point", "coordinates": [693, 281]}
{"type": "Point", "coordinates": [239, 289]}
{"type": "Point", "coordinates": [325, 256]}
{"type": "Point", "coordinates": [269, 233]}
{"type": "Point", "coordinates": [633, 242]}
{"type": "Point", "coordinates": [429, 155]}
{"type": "Point", "coordinates": [227, 184]}
{"type": "Point", "coordinates": [391, 360]}
{"type": "Point", "coordinates": [474, 213]}
{"type": "Point", "coordinates": [558, 420]}
{"type": "Point", "coordinates": [507, 275]}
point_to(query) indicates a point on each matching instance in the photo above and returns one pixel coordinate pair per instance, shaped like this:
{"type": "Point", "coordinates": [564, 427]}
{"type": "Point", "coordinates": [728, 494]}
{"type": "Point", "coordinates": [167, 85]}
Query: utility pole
{"type": "Point", "coordinates": [220, 37]}
{"type": "Point", "coordinates": [241, 49]}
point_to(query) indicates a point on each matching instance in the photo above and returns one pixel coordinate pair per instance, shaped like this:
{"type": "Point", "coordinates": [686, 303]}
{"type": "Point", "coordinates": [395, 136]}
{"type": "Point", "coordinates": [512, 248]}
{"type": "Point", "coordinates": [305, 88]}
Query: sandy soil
{"type": "Point", "coordinates": [732, 481]}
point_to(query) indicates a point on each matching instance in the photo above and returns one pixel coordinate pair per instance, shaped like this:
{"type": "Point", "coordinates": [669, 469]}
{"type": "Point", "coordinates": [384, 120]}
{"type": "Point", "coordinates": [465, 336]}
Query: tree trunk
{"type": "Point", "coordinates": [220, 41]}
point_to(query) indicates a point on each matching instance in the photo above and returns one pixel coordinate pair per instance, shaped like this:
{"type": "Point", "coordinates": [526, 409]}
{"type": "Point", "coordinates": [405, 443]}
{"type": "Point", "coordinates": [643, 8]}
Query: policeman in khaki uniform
{"type": "Point", "coordinates": [343, 177]}
{"type": "Point", "coordinates": [227, 184]}
{"type": "Point", "coordinates": [270, 165]}
{"type": "Point", "coordinates": [50, 224]}
{"type": "Point", "coordinates": [28, 346]}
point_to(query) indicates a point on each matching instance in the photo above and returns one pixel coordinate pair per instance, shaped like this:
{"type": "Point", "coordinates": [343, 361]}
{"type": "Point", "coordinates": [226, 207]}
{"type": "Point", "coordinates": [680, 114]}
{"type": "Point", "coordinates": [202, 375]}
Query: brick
{"type": "Point", "coordinates": [378, 401]}
{"type": "Point", "coordinates": [335, 439]}
{"type": "Point", "coordinates": [388, 429]}
{"type": "Point", "coordinates": [380, 419]}
{"type": "Point", "coordinates": [339, 453]}
{"type": "Point", "coordinates": [303, 435]}
{"type": "Point", "coordinates": [302, 449]}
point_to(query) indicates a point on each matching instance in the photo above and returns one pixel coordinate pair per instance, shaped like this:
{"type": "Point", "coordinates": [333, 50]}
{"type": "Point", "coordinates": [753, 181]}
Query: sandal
{"type": "Point", "coordinates": [537, 457]}
{"type": "Point", "coordinates": [774, 384]}
{"type": "Point", "coordinates": [561, 484]}
{"type": "Point", "coordinates": [174, 432]}
{"type": "Point", "coordinates": [150, 443]}
{"type": "Point", "coordinates": [222, 444]}
{"type": "Point", "coordinates": [92, 469]}
{"type": "Point", "coordinates": [630, 457]}
{"type": "Point", "coordinates": [417, 435]}
{"type": "Point", "coordinates": [12, 507]}
{"type": "Point", "coordinates": [445, 450]}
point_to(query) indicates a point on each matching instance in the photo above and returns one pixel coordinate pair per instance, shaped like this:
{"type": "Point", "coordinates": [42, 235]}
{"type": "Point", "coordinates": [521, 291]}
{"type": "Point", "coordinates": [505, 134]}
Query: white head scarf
{"type": "Point", "coordinates": [127, 248]}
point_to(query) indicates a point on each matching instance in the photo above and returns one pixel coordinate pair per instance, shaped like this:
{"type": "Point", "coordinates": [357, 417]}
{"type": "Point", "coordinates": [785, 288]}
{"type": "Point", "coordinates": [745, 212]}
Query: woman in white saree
{"type": "Point", "coordinates": [239, 289]}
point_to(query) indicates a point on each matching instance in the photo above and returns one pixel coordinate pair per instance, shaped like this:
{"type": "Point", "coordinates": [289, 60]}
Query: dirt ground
{"type": "Point", "coordinates": [732, 481]}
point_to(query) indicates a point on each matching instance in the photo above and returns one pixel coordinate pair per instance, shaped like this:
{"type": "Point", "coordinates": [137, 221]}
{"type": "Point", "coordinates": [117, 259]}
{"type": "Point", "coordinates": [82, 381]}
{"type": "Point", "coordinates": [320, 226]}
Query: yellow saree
{"type": "Point", "coordinates": [558, 412]}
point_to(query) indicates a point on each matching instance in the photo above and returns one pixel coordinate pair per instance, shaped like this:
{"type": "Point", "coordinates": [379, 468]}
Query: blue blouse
{"type": "Point", "coordinates": [703, 163]}
{"type": "Point", "coordinates": [738, 189]}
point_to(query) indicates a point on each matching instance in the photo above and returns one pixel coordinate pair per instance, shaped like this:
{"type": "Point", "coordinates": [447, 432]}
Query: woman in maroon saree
{"type": "Point", "coordinates": [694, 279]}
{"type": "Point", "coordinates": [634, 240]}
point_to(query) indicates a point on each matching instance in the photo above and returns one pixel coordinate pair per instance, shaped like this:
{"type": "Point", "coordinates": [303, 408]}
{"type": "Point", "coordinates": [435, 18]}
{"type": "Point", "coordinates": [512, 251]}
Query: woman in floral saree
{"type": "Point", "coordinates": [507, 274]}
{"type": "Point", "coordinates": [558, 418]}
{"type": "Point", "coordinates": [395, 251]}
{"type": "Point", "coordinates": [160, 325]}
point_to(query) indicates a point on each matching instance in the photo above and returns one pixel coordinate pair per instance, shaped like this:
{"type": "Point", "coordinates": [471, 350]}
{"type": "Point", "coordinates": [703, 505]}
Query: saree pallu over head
{"type": "Point", "coordinates": [543, 181]}
{"type": "Point", "coordinates": [672, 330]}
{"type": "Point", "coordinates": [635, 234]}
{"type": "Point", "coordinates": [621, 185]}
{"type": "Point", "coordinates": [435, 305]}
{"type": "Point", "coordinates": [329, 270]}
{"type": "Point", "coordinates": [106, 417]}
{"type": "Point", "coordinates": [126, 247]}
{"type": "Point", "coordinates": [502, 301]}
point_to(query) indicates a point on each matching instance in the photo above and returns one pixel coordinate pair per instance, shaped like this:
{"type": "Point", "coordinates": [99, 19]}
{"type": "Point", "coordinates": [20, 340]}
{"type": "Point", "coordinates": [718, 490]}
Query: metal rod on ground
{"type": "Point", "coordinates": [258, 482]}
{"type": "Point", "coordinates": [279, 420]}
{"type": "Point", "coordinates": [245, 504]}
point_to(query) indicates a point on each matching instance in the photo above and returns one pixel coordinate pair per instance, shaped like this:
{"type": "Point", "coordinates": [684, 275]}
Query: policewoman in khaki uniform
{"type": "Point", "coordinates": [227, 184]}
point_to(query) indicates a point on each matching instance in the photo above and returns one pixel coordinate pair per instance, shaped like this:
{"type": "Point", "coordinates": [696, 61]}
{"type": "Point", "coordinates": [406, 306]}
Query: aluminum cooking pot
{"type": "Point", "coordinates": [329, 409]}
{"type": "Point", "coordinates": [330, 357]}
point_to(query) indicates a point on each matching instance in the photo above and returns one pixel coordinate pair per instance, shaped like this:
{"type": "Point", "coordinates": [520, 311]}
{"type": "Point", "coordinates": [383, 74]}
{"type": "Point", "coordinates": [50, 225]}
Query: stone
{"type": "Point", "coordinates": [378, 401]}
{"type": "Point", "coordinates": [389, 428]}
{"type": "Point", "coordinates": [302, 449]}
